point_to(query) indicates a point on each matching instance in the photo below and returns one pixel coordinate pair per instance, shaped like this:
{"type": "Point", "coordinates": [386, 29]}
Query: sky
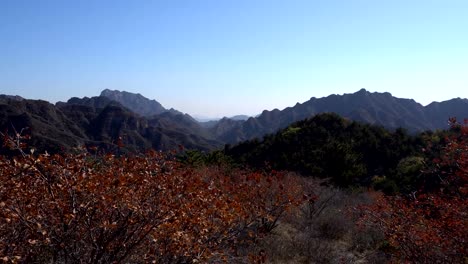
{"type": "Point", "coordinates": [214, 58]}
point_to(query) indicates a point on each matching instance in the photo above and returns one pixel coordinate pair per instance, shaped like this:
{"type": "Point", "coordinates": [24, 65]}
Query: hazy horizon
{"type": "Point", "coordinates": [215, 58]}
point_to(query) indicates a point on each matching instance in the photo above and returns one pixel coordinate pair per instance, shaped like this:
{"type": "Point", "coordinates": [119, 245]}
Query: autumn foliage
{"type": "Point", "coordinates": [160, 208]}
{"type": "Point", "coordinates": [431, 225]}
{"type": "Point", "coordinates": [82, 208]}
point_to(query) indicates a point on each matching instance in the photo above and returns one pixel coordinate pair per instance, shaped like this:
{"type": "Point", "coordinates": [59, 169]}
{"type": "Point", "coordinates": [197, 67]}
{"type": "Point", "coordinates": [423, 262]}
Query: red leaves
{"type": "Point", "coordinates": [431, 226]}
{"type": "Point", "coordinates": [133, 209]}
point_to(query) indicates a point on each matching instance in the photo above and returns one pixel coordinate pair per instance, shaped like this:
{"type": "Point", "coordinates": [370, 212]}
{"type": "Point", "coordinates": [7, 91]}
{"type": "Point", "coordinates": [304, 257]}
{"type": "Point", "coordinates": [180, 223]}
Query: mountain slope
{"type": "Point", "coordinates": [373, 108]}
{"type": "Point", "coordinates": [439, 112]}
{"type": "Point", "coordinates": [48, 126]}
{"type": "Point", "coordinates": [92, 122]}
{"type": "Point", "coordinates": [135, 102]}
{"type": "Point", "coordinates": [330, 146]}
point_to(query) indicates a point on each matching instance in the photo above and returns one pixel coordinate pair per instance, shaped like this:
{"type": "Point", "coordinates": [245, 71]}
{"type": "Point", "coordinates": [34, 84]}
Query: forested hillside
{"type": "Point", "coordinates": [329, 146]}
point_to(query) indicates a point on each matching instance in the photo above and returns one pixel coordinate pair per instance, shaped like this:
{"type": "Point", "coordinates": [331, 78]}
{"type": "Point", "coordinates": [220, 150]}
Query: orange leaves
{"type": "Point", "coordinates": [431, 226]}
{"type": "Point", "coordinates": [133, 209]}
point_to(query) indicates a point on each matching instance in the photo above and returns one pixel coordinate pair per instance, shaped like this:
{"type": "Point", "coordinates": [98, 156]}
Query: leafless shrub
{"type": "Point", "coordinates": [324, 230]}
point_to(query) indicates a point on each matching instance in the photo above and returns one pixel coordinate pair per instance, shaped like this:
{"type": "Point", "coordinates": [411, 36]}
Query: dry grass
{"type": "Point", "coordinates": [324, 231]}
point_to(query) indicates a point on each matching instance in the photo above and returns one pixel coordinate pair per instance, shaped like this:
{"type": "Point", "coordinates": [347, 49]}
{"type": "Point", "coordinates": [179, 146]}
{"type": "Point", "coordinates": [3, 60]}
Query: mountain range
{"type": "Point", "coordinates": [140, 123]}
{"type": "Point", "coordinates": [374, 108]}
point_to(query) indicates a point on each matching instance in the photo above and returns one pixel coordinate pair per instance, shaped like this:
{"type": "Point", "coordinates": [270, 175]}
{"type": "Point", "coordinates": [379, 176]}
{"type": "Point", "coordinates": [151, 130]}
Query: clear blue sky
{"type": "Point", "coordinates": [216, 57]}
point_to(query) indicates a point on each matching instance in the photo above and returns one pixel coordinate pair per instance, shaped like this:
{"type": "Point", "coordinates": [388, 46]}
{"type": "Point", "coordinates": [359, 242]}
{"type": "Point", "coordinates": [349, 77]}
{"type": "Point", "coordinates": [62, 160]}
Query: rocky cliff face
{"type": "Point", "coordinates": [135, 102]}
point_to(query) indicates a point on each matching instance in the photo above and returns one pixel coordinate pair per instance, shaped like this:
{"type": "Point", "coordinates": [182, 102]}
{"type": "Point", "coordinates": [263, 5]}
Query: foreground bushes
{"type": "Point", "coordinates": [431, 224]}
{"type": "Point", "coordinates": [325, 230]}
{"type": "Point", "coordinates": [148, 208]}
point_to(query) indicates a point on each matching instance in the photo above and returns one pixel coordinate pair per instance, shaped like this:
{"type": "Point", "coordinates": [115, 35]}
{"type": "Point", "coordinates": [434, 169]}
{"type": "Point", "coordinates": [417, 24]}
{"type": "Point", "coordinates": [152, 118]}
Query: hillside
{"type": "Point", "coordinates": [374, 108]}
{"type": "Point", "coordinates": [328, 146]}
{"type": "Point", "coordinates": [135, 102]}
{"type": "Point", "coordinates": [93, 122]}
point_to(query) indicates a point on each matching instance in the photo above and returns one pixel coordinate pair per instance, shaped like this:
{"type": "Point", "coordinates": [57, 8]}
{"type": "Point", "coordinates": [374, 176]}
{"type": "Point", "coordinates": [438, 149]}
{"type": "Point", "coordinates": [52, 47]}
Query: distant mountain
{"type": "Point", "coordinates": [177, 121]}
{"type": "Point", "coordinates": [151, 109]}
{"type": "Point", "coordinates": [239, 117]}
{"type": "Point", "coordinates": [168, 119]}
{"type": "Point", "coordinates": [208, 124]}
{"type": "Point", "coordinates": [49, 127]}
{"type": "Point", "coordinates": [135, 102]}
{"type": "Point", "coordinates": [98, 121]}
{"type": "Point", "coordinates": [143, 123]}
{"type": "Point", "coordinates": [203, 119]}
{"type": "Point", "coordinates": [11, 97]}
{"type": "Point", "coordinates": [94, 102]}
{"type": "Point", "coordinates": [439, 112]}
{"type": "Point", "coordinates": [211, 123]}
{"type": "Point", "coordinates": [373, 108]}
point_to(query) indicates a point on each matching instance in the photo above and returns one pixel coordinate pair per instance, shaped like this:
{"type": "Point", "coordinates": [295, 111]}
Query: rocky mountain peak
{"type": "Point", "coordinates": [135, 102]}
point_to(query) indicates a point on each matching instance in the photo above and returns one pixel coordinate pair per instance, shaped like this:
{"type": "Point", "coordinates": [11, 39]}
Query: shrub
{"type": "Point", "coordinates": [143, 208]}
{"type": "Point", "coordinates": [430, 226]}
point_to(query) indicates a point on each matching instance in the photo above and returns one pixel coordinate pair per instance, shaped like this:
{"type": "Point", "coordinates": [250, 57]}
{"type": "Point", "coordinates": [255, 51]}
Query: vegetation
{"type": "Point", "coordinates": [424, 214]}
{"type": "Point", "coordinates": [189, 206]}
{"type": "Point", "coordinates": [431, 225]}
{"type": "Point", "coordinates": [329, 146]}
{"type": "Point", "coordinates": [76, 208]}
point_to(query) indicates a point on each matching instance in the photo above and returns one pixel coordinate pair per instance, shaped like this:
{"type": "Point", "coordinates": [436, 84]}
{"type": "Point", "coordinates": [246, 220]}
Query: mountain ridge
{"type": "Point", "coordinates": [147, 124]}
{"type": "Point", "coordinates": [374, 108]}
